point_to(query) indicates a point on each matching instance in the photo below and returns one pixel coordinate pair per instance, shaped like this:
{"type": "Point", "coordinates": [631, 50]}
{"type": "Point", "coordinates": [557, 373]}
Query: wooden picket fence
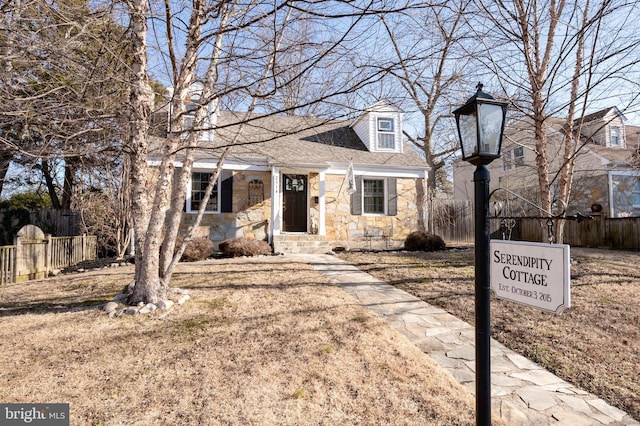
{"type": "Point", "coordinates": [35, 255]}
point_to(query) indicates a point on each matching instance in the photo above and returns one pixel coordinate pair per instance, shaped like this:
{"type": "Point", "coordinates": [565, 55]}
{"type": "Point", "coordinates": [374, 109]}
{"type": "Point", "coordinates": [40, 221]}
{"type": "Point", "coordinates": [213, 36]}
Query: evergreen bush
{"type": "Point", "coordinates": [422, 241]}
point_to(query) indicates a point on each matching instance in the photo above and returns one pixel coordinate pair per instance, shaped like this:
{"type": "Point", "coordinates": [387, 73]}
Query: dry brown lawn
{"type": "Point", "coordinates": [263, 341]}
{"type": "Point", "coordinates": [594, 345]}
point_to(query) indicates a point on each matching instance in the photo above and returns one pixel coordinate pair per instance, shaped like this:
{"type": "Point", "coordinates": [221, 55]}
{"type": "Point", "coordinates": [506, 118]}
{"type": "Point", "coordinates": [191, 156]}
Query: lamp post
{"type": "Point", "coordinates": [480, 125]}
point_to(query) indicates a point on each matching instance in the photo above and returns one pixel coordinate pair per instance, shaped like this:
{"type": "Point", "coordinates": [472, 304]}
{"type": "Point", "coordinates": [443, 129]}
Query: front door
{"type": "Point", "coordinates": [294, 203]}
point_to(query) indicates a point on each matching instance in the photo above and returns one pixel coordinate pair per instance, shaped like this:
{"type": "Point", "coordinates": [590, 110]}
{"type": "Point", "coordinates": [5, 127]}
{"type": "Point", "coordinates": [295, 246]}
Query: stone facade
{"type": "Point", "coordinates": [251, 217]}
{"type": "Point", "coordinates": [362, 231]}
{"type": "Point", "coordinates": [623, 196]}
{"type": "Point", "coordinates": [250, 221]}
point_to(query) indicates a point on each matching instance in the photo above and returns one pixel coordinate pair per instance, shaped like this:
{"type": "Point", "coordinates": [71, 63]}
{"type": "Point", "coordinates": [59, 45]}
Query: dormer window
{"type": "Point", "coordinates": [380, 128]}
{"type": "Point", "coordinates": [386, 134]}
{"type": "Point", "coordinates": [187, 121]}
{"type": "Point", "coordinates": [615, 136]}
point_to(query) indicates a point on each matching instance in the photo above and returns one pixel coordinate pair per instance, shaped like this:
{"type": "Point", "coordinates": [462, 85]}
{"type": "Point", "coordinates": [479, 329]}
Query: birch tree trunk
{"type": "Point", "coordinates": [238, 44]}
{"type": "Point", "coordinates": [140, 102]}
{"type": "Point", "coordinates": [541, 60]}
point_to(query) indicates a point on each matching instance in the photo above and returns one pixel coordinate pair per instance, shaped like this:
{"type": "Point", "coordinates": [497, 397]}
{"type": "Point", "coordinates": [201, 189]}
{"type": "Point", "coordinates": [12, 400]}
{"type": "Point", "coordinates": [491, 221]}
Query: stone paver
{"type": "Point", "coordinates": [522, 392]}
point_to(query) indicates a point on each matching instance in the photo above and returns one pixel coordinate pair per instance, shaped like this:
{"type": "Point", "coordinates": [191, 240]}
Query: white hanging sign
{"type": "Point", "coordinates": [533, 274]}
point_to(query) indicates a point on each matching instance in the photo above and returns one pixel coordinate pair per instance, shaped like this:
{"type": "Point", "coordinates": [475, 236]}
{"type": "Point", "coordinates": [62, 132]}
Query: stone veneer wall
{"type": "Point", "coordinates": [342, 228]}
{"type": "Point", "coordinates": [250, 221]}
{"type": "Point", "coordinates": [623, 196]}
{"type": "Point", "coordinates": [589, 190]}
{"type": "Point", "coordinates": [347, 230]}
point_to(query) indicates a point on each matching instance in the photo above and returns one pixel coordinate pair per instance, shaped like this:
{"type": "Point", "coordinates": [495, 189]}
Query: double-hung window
{"type": "Point", "coordinates": [199, 182]}
{"type": "Point", "coordinates": [373, 196]}
{"type": "Point", "coordinates": [386, 134]}
{"type": "Point", "coordinates": [518, 156]}
{"type": "Point", "coordinates": [513, 158]}
{"type": "Point", "coordinates": [615, 136]}
{"type": "Point", "coordinates": [189, 115]}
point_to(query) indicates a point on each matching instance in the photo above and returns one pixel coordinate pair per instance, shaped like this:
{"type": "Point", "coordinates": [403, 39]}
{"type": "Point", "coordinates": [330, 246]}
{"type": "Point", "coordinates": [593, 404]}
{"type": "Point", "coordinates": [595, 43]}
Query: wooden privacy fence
{"type": "Point", "coordinates": [454, 222]}
{"type": "Point", "coordinates": [617, 233]}
{"type": "Point", "coordinates": [35, 255]}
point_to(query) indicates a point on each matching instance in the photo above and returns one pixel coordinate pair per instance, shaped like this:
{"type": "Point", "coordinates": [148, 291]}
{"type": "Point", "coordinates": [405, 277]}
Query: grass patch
{"type": "Point", "coordinates": [326, 349]}
{"type": "Point", "coordinates": [299, 393]}
{"type": "Point", "coordinates": [276, 319]}
{"type": "Point", "coordinates": [590, 345]}
{"type": "Point", "coordinates": [200, 323]}
{"type": "Point", "coordinates": [216, 303]}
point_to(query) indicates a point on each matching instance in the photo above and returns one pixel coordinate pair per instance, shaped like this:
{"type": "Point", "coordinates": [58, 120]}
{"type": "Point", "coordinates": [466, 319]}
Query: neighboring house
{"type": "Point", "coordinates": [604, 180]}
{"type": "Point", "coordinates": [285, 181]}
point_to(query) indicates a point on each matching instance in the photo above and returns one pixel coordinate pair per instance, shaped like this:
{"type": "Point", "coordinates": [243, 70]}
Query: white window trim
{"type": "Point", "coordinates": [190, 190]}
{"type": "Point", "coordinates": [379, 131]}
{"type": "Point", "coordinates": [187, 126]}
{"type": "Point", "coordinates": [385, 191]}
{"type": "Point", "coordinates": [635, 191]}
{"type": "Point", "coordinates": [510, 160]}
{"type": "Point", "coordinates": [617, 129]}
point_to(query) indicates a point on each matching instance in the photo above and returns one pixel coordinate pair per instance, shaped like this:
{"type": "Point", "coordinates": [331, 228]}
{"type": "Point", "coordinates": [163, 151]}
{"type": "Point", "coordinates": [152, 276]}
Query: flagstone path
{"type": "Point", "coordinates": [523, 393]}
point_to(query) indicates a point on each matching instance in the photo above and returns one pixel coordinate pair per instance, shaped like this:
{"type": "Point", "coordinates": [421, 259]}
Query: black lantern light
{"type": "Point", "coordinates": [480, 125]}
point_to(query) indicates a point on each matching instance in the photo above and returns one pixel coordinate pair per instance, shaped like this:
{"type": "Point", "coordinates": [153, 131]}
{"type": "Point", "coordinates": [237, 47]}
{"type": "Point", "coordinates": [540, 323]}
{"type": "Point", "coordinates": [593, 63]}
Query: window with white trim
{"type": "Point", "coordinates": [373, 196]}
{"type": "Point", "coordinates": [615, 136]}
{"type": "Point", "coordinates": [199, 182]}
{"type": "Point", "coordinates": [386, 136]}
{"type": "Point", "coordinates": [187, 118]}
{"type": "Point", "coordinates": [513, 158]}
{"type": "Point", "coordinates": [636, 194]}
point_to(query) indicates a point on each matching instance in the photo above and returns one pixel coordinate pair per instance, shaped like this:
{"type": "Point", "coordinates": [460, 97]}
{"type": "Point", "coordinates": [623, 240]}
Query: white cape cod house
{"type": "Point", "coordinates": [289, 180]}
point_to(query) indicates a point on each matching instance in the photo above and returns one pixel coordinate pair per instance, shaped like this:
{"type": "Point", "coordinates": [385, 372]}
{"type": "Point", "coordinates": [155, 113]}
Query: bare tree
{"type": "Point", "coordinates": [556, 57]}
{"type": "Point", "coordinates": [432, 55]}
{"type": "Point", "coordinates": [240, 54]}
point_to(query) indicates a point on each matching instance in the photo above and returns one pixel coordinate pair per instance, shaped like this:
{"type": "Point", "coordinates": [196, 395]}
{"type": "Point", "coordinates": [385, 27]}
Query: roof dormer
{"type": "Point", "coordinates": [380, 128]}
{"type": "Point", "coordinates": [605, 127]}
{"type": "Point", "coordinates": [192, 103]}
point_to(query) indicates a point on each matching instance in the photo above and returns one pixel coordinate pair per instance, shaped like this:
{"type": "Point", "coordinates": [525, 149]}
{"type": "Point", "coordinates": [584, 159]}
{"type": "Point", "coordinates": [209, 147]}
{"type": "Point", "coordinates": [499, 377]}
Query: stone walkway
{"type": "Point", "coordinates": [523, 393]}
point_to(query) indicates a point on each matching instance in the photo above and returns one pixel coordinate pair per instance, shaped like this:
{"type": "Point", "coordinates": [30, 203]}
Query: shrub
{"type": "Point", "coordinates": [197, 249]}
{"type": "Point", "coordinates": [421, 241]}
{"type": "Point", "coordinates": [235, 247]}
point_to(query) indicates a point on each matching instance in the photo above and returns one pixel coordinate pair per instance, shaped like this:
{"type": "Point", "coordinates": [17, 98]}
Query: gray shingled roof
{"type": "Point", "coordinates": [617, 154]}
{"type": "Point", "coordinates": [294, 140]}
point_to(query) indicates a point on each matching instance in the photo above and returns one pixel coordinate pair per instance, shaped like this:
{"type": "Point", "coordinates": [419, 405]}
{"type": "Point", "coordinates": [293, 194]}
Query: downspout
{"type": "Point", "coordinates": [274, 225]}
{"type": "Point", "coordinates": [321, 206]}
{"type": "Point", "coordinates": [425, 201]}
{"type": "Point", "coordinates": [610, 184]}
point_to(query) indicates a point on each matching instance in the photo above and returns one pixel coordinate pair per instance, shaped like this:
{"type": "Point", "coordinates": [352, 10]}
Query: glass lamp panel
{"type": "Point", "coordinates": [468, 134]}
{"type": "Point", "coordinates": [491, 117]}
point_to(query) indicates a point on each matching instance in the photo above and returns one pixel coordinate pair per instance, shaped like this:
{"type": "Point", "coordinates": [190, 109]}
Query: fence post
{"type": "Point", "coordinates": [47, 254]}
{"type": "Point", "coordinates": [603, 233]}
{"type": "Point", "coordinates": [18, 253]}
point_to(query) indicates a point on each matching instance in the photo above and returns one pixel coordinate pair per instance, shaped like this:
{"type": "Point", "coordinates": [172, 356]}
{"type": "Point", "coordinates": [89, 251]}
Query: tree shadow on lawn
{"type": "Point", "coordinates": [60, 294]}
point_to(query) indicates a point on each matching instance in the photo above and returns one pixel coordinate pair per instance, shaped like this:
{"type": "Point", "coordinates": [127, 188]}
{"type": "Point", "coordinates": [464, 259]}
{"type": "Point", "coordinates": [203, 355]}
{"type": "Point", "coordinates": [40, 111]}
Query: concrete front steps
{"type": "Point", "coordinates": [301, 244]}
